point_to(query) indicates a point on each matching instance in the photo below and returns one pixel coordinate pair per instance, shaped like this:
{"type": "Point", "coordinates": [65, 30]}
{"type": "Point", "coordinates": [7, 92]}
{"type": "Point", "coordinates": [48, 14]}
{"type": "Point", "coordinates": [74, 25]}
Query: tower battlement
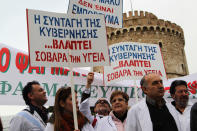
{"type": "Point", "coordinates": [141, 21]}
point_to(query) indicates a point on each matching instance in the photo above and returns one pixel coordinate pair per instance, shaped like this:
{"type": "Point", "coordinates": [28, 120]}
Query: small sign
{"type": "Point", "coordinates": [112, 9]}
{"type": "Point", "coordinates": [131, 61]}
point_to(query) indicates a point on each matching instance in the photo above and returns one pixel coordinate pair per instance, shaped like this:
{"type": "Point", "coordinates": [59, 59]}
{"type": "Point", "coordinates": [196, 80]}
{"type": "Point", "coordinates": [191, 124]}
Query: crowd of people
{"type": "Point", "coordinates": [152, 113]}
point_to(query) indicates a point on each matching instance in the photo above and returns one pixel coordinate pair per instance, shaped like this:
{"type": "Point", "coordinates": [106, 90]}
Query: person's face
{"type": "Point", "coordinates": [154, 88]}
{"type": "Point", "coordinates": [38, 95]}
{"type": "Point", "coordinates": [119, 105]}
{"type": "Point", "coordinates": [67, 104]}
{"type": "Point", "coordinates": [181, 95]}
{"type": "Point", "coordinates": [102, 107]}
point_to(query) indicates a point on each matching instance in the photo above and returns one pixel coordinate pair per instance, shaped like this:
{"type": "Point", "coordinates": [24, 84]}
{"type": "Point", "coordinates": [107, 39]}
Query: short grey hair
{"type": "Point", "coordinates": [143, 81]}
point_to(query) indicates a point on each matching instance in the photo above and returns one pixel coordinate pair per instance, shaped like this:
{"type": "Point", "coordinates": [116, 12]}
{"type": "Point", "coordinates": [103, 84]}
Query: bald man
{"type": "Point", "coordinates": [152, 113]}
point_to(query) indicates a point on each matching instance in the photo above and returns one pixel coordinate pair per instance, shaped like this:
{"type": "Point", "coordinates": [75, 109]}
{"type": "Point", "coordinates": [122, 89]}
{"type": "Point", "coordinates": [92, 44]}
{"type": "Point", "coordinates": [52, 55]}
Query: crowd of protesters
{"type": "Point", "coordinates": [152, 113]}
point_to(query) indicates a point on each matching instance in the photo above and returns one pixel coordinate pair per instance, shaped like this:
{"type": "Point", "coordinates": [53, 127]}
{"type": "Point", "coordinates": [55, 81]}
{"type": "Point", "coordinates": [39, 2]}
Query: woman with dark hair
{"type": "Point", "coordinates": [62, 118]}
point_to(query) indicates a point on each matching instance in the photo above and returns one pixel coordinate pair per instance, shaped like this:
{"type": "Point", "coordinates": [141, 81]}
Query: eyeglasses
{"type": "Point", "coordinates": [101, 102]}
{"type": "Point", "coordinates": [119, 99]}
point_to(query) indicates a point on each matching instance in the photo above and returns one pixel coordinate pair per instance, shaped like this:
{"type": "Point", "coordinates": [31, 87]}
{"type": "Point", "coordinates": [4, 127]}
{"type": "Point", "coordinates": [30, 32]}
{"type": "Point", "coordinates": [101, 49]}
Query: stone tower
{"type": "Point", "coordinates": [145, 27]}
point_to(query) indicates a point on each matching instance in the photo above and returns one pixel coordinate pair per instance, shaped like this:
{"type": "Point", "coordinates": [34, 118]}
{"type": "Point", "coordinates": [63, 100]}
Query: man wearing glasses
{"type": "Point", "coordinates": [101, 108]}
{"type": "Point", "coordinates": [181, 104]}
{"type": "Point", "coordinates": [152, 113]}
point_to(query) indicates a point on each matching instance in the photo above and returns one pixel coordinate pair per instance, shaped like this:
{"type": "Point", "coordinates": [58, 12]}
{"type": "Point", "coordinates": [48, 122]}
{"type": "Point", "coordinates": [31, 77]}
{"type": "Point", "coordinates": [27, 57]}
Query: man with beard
{"type": "Point", "coordinates": [152, 113]}
{"type": "Point", "coordinates": [101, 108]}
{"type": "Point", "coordinates": [180, 94]}
{"type": "Point", "coordinates": [35, 116]}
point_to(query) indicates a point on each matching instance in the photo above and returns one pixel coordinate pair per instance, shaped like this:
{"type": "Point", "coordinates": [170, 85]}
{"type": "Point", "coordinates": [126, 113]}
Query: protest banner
{"type": "Point", "coordinates": [15, 72]}
{"type": "Point", "coordinates": [52, 35]}
{"type": "Point", "coordinates": [132, 60]}
{"type": "Point", "coordinates": [112, 9]}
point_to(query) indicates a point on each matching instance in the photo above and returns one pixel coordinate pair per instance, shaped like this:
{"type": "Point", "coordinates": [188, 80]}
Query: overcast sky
{"type": "Point", "coordinates": [13, 31]}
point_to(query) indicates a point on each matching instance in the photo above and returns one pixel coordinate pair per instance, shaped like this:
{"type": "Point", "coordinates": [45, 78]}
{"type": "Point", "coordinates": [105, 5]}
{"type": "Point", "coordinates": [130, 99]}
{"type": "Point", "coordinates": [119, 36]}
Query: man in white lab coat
{"type": "Point", "coordinates": [181, 105]}
{"type": "Point", "coordinates": [35, 116]}
{"type": "Point", "coordinates": [153, 112]}
{"type": "Point", "coordinates": [101, 108]}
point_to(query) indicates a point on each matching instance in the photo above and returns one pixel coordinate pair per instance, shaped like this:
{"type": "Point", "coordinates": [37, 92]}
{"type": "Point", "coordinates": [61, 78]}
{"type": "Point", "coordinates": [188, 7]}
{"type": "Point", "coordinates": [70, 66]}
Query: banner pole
{"type": "Point", "coordinates": [73, 93]}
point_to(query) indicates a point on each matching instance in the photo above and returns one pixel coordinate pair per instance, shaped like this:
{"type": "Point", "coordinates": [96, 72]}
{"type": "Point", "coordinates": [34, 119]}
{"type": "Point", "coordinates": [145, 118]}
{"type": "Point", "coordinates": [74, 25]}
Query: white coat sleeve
{"type": "Point", "coordinates": [132, 121]}
{"type": "Point", "coordinates": [87, 127]}
{"type": "Point", "coordinates": [84, 108]}
{"type": "Point", "coordinates": [17, 124]}
{"type": "Point", "coordinates": [49, 127]}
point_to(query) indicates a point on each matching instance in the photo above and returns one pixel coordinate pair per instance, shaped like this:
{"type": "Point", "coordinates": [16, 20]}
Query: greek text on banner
{"type": "Point", "coordinates": [52, 35]}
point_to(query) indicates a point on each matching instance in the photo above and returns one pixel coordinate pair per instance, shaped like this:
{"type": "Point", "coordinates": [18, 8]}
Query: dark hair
{"type": "Point", "coordinates": [1, 126]}
{"type": "Point", "coordinates": [62, 94]}
{"type": "Point", "coordinates": [176, 83]}
{"type": "Point", "coordinates": [117, 92]}
{"type": "Point", "coordinates": [28, 89]}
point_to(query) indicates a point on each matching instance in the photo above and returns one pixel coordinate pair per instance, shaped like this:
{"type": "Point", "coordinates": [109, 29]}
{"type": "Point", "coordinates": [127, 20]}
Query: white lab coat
{"type": "Point", "coordinates": [86, 127]}
{"type": "Point", "coordinates": [84, 108]}
{"type": "Point", "coordinates": [25, 121]}
{"type": "Point", "coordinates": [106, 124]}
{"type": "Point", "coordinates": [138, 118]}
{"type": "Point", "coordinates": [184, 117]}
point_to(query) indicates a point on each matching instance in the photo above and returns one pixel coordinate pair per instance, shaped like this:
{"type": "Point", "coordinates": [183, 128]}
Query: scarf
{"type": "Point", "coordinates": [42, 112]}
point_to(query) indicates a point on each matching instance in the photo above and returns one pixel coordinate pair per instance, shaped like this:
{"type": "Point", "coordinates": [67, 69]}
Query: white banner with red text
{"type": "Point", "coordinates": [132, 60]}
{"type": "Point", "coordinates": [112, 9]}
{"type": "Point", "coordinates": [60, 40]}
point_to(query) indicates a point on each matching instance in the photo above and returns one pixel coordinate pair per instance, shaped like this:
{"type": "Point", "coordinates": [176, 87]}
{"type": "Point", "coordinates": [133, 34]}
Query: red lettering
{"type": "Point", "coordinates": [192, 87]}
{"type": "Point", "coordinates": [38, 70]}
{"type": "Point", "coordinates": [120, 63]}
{"type": "Point", "coordinates": [95, 57]}
{"type": "Point", "coordinates": [49, 57]}
{"type": "Point", "coordinates": [73, 44]}
{"type": "Point", "coordinates": [64, 58]}
{"type": "Point", "coordinates": [55, 44]}
{"type": "Point", "coordinates": [21, 62]}
{"type": "Point", "coordinates": [59, 56]}
{"type": "Point", "coordinates": [118, 74]}
{"type": "Point", "coordinates": [85, 3]}
{"type": "Point", "coordinates": [61, 46]}
{"type": "Point", "coordinates": [6, 52]}
{"type": "Point", "coordinates": [85, 43]}
{"type": "Point", "coordinates": [103, 8]}
{"type": "Point", "coordinates": [43, 56]}
{"type": "Point", "coordinates": [37, 55]}
{"type": "Point", "coordinates": [108, 75]}
{"type": "Point", "coordinates": [102, 58]}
